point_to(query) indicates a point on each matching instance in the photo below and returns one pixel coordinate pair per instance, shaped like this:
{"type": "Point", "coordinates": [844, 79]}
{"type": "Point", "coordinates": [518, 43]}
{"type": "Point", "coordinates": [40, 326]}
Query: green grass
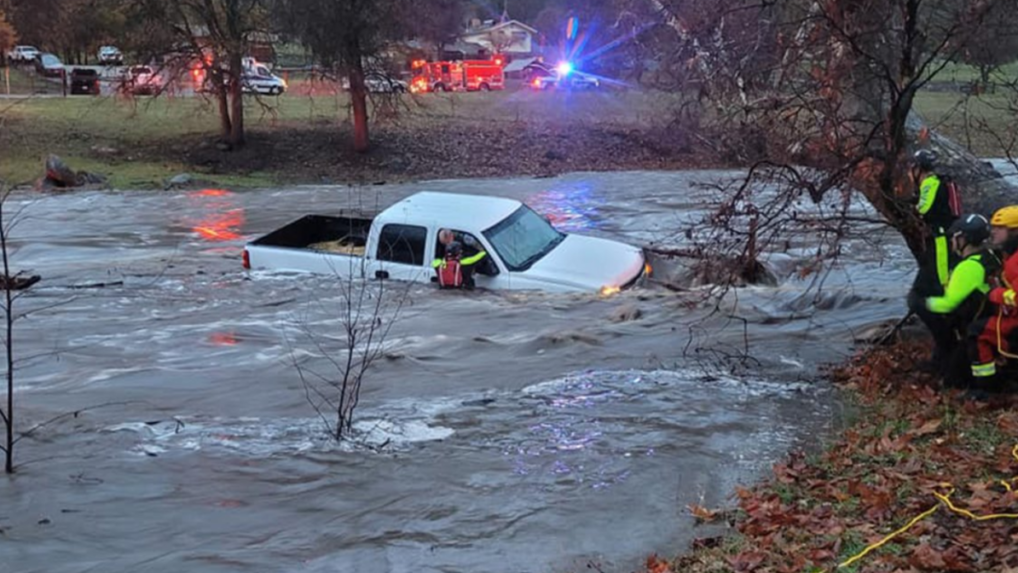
{"type": "Point", "coordinates": [976, 122]}
{"type": "Point", "coordinates": [964, 73]}
{"type": "Point", "coordinates": [80, 129]}
{"type": "Point", "coordinates": [152, 135]}
{"type": "Point", "coordinates": [77, 129]}
{"type": "Point", "coordinates": [24, 81]}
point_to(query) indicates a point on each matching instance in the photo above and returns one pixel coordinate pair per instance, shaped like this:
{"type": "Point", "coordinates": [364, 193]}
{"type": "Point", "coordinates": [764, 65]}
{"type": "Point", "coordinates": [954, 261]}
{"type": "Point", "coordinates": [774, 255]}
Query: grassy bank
{"type": "Point", "coordinates": [305, 136]}
{"type": "Point", "coordinates": [911, 451]}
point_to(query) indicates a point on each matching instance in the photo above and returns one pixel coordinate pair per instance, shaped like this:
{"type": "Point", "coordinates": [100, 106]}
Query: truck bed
{"type": "Point", "coordinates": [345, 235]}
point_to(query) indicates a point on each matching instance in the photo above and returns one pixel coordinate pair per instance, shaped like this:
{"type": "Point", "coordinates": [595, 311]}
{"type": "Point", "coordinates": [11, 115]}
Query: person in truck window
{"type": "Point", "coordinates": [456, 270]}
{"type": "Point", "coordinates": [470, 246]}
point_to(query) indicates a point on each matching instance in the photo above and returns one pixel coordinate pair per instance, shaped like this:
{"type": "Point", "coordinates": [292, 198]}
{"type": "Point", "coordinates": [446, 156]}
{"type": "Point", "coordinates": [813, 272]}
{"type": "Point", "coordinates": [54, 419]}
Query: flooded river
{"type": "Point", "coordinates": [521, 432]}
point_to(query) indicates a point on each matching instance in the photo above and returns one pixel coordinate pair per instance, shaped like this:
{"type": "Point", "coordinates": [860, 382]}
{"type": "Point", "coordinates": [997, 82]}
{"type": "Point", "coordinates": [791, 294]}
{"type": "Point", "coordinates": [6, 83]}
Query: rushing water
{"type": "Point", "coordinates": [499, 432]}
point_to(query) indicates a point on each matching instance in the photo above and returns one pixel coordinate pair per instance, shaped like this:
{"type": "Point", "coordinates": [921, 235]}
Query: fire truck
{"type": "Point", "coordinates": [458, 75]}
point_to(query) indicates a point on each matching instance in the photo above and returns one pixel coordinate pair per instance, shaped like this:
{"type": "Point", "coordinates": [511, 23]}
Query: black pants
{"type": "Point", "coordinates": [947, 331]}
{"type": "Point", "coordinates": [467, 271]}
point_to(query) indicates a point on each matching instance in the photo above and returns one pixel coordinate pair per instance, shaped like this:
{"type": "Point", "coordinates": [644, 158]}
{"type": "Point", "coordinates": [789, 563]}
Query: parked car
{"type": "Point", "coordinates": [570, 81]}
{"type": "Point", "coordinates": [84, 81]}
{"type": "Point", "coordinates": [22, 54]}
{"type": "Point", "coordinates": [378, 82]}
{"type": "Point", "coordinates": [49, 65]}
{"type": "Point", "coordinates": [110, 56]}
{"type": "Point", "coordinates": [143, 80]}
{"type": "Point", "coordinates": [258, 79]}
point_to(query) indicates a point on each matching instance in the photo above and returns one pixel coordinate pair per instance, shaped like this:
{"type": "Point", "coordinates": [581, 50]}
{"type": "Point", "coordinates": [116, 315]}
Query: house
{"type": "Point", "coordinates": [509, 37]}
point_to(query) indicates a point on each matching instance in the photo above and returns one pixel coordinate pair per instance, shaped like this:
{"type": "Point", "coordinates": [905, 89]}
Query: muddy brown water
{"type": "Point", "coordinates": [519, 432]}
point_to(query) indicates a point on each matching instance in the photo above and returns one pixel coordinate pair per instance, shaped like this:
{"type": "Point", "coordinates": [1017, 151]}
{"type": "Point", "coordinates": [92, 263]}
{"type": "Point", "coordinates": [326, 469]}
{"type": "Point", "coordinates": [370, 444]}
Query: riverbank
{"type": "Point", "coordinates": [304, 137]}
{"type": "Point", "coordinates": [915, 460]}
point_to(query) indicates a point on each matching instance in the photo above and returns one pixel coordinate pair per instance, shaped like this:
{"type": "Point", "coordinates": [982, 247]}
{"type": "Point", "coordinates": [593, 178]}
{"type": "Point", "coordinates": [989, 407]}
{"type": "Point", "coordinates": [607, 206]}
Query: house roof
{"type": "Point", "coordinates": [501, 25]}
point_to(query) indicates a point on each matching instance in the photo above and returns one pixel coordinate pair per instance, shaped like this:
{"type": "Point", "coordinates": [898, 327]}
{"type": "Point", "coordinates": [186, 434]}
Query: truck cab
{"type": "Point", "coordinates": [526, 252]}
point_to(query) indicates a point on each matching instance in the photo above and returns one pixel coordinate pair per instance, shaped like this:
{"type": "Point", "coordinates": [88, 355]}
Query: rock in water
{"type": "Point", "coordinates": [18, 282]}
{"type": "Point", "coordinates": [59, 174]}
{"type": "Point", "coordinates": [626, 313]}
{"type": "Point", "coordinates": [180, 180]}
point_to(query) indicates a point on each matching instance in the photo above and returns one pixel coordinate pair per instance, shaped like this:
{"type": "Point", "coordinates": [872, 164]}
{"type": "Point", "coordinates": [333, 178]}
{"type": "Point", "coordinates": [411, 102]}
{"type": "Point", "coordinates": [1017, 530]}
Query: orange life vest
{"type": "Point", "coordinates": [450, 273]}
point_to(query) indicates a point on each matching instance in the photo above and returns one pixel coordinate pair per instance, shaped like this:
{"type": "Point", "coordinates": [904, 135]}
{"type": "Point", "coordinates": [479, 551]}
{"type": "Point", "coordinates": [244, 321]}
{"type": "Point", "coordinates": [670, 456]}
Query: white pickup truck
{"type": "Point", "coordinates": [526, 251]}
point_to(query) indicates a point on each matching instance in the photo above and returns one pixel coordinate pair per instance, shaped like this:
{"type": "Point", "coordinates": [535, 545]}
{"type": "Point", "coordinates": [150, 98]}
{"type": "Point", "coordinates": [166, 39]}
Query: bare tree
{"type": "Point", "coordinates": [211, 35]}
{"type": "Point", "coordinates": [13, 284]}
{"type": "Point", "coordinates": [818, 97]}
{"type": "Point", "coordinates": [994, 44]}
{"type": "Point", "coordinates": [368, 310]}
{"type": "Point", "coordinates": [345, 35]}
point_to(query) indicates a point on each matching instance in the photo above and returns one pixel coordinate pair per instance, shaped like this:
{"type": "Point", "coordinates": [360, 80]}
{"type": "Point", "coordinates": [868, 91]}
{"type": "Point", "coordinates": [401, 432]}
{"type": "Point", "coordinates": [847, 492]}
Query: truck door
{"type": "Point", "coordinates": [401, 253]}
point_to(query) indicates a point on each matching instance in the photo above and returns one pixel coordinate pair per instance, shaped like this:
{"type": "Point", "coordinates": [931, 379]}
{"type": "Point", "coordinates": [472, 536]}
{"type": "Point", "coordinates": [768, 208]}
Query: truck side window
{"type": "Point", "coordinates": [402, 244]}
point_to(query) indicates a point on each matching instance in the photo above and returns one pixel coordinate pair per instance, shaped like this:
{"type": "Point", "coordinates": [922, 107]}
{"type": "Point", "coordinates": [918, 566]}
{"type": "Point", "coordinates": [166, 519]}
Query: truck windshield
{"type": "Point", "coordinates": [523, 238]}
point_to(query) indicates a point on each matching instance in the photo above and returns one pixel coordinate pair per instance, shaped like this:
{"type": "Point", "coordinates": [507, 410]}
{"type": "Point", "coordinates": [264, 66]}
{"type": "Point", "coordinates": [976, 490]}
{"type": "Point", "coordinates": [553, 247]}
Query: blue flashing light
{"type": "Point", "coordinates": [564, 68]}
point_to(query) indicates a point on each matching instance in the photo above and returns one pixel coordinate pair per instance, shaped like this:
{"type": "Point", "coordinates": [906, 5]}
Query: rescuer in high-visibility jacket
{"type": "Point", "coordinates": [933, 205]}
{"type": "Point", "coordinates": [949, 316]}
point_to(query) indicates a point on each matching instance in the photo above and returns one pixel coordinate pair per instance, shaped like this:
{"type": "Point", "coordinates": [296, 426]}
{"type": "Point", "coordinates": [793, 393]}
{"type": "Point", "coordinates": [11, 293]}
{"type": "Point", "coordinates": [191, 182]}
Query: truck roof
{"type": "Point", "coordinates": [454, 210]}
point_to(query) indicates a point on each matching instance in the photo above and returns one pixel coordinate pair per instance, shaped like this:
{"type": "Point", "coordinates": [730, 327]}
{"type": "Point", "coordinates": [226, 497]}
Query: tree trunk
{"type": "Point", "coordinates": [8, 342]}
{"type": "Point", "coordinates": [225, 125]}
{"type": "Point", "coordinates": [237, 136]}
{"type": "Point", "coordinates": [359, 100]}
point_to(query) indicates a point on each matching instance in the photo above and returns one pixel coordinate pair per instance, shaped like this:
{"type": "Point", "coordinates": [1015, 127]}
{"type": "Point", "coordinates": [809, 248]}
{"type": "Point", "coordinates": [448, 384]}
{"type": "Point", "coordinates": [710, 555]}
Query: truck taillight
{"type": "Point", "coordinates": [247, 259]}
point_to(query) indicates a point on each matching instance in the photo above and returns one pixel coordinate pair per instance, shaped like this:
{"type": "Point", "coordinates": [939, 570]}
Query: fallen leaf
{"type": "Point", "coordinates": [702, 514]}
{"type": "Point", "coordinates": [747, 561]}
{"type": "Point", "coordinates": [926, 557]}
{"type": "Point", "coordinates": [657, 565]}
{"type": "Point", "coordinates": [929, 427]}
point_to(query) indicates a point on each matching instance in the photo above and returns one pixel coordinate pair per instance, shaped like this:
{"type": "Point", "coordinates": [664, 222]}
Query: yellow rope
{"type": "Point", "coordinates": [883, 541]}
{"type": "Point", "coordinates": [945, 501]}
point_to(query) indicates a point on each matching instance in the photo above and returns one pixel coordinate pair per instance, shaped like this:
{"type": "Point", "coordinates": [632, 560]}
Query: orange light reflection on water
{"type": "Point", "coordinates": [221, 219]}
{"type": "Point", "coordinates": [223, 339]}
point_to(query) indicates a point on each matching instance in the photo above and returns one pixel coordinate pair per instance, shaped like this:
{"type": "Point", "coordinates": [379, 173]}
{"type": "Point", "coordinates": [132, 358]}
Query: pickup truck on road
{"type": "Point", "coordinates": [527, 252]}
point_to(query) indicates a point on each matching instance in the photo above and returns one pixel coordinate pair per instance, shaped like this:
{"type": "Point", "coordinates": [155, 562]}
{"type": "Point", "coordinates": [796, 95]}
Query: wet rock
{"type": "Point", "coordinates": [91, 179]}
{"type": "Point", "coordinates": [626, 313]}
{"type": "Point", "coordinates": [18, 282]}
{"type": "Point", "coordinates": [58, 175]}
{"type": "Point", "coordinates": [571, 336]}
{"type": "Point", "coordinates": [885, 332]}
{"type": "Point", "coordinates": [179, 180]}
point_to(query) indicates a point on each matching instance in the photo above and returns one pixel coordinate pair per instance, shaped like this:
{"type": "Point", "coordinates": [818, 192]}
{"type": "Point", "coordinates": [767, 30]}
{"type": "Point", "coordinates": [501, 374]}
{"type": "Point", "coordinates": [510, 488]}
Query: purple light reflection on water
{"type": "Point", "coordinates": [571, 206]}
{"type": "Point", "coordinates": [571, 433]}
